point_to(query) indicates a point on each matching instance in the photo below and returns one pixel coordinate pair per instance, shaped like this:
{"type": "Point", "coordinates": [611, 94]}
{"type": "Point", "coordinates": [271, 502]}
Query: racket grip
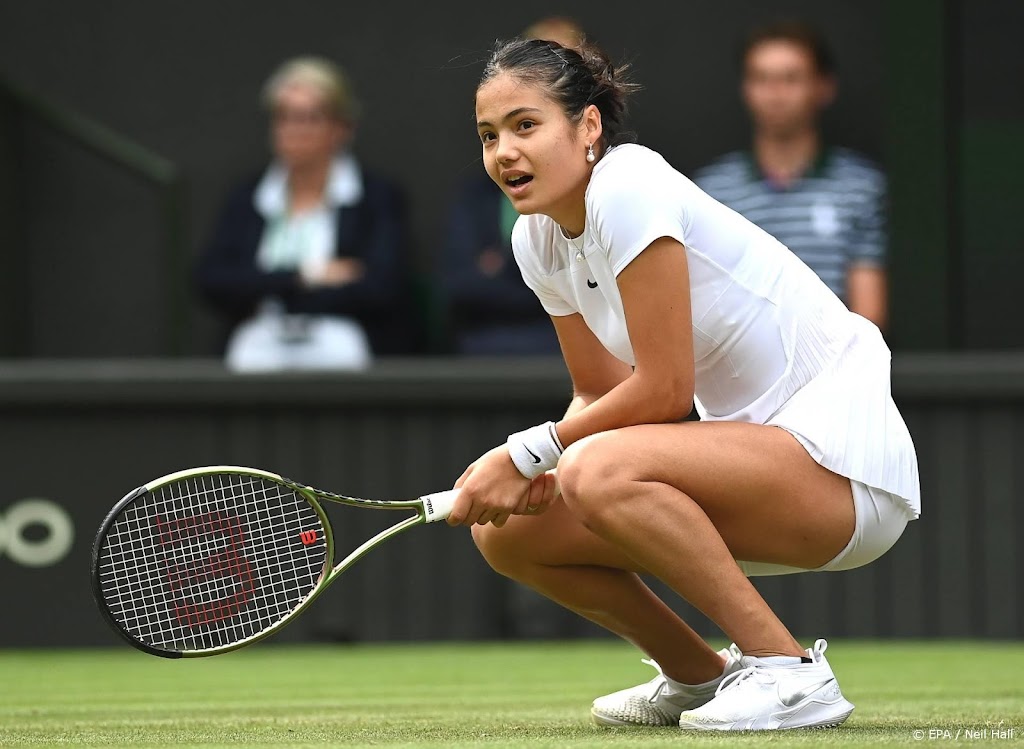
{"type": "Point", "coordinates": [436, 506]}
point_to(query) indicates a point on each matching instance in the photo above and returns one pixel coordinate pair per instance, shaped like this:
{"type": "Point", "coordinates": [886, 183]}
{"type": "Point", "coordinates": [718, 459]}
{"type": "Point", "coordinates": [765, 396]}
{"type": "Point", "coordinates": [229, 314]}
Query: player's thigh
{"type": "Point", "coordinates": [554, 538]}
{"type": "Point", "coordinates": [766, 496]}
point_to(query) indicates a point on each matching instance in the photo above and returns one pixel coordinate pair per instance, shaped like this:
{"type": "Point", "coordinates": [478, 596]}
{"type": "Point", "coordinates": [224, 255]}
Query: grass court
{"type": "Point", "coordinates": [518, 694]}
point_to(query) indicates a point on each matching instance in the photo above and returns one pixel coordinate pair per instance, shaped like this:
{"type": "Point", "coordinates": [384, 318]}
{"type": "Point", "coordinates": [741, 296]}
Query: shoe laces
{"type": "Point", "coordinates": [736, 678]}
{"type": "Point", "coordinates": [760, 673]}
{"type": "Point", "coordinates": [658, 683]}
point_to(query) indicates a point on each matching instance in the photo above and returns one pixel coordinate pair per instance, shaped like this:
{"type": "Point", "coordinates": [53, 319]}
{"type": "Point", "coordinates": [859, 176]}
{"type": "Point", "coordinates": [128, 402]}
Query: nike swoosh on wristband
{"type": "Point", "coordinates": [800, 695]}
{"type": "Point", "coordinates": [536, 459]}
{"type": "Point", "coordinates": [592, 284]}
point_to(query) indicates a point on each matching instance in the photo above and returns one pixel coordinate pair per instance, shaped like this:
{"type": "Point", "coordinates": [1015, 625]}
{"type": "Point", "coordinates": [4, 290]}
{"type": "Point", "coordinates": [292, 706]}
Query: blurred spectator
{"type": "Point", "coordinates": [562, 29]}
{"type": "Point", "coordinates": [490, 308]}
{"type": "Point", "coordinates": [827, 204]}
{"type": "Point", "coordinates": [308, 257]}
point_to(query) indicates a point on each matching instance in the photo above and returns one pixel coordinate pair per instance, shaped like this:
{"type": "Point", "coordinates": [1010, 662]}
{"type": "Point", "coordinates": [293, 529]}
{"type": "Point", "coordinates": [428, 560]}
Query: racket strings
{"type": "Point", "coordinates": [211, 560]}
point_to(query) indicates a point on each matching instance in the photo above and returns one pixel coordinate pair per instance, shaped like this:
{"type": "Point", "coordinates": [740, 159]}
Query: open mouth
{"type": "Point", "coordinates": [518, 183]}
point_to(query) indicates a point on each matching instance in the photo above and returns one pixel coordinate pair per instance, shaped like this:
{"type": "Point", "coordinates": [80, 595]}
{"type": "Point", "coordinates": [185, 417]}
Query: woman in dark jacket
{"type": "Point", "coordinates": [308, 259]}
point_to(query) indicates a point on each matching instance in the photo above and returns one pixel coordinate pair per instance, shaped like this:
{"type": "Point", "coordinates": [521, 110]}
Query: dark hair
{"type": "Point", "coordinates": [794, 32]}
{"type": "Point", "coordinates": [574, 78]}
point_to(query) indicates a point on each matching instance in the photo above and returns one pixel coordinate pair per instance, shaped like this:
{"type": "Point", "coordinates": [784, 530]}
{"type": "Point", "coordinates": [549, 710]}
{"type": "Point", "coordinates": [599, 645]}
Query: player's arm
{"type": "Point", "coordinates": [655, 291]}
{"type": "Point", "coordinates": [593, 369]}
{"type": "Point", "coordinates": [594, 372]}
{"type": "Point", "coordinates": [867, 293]}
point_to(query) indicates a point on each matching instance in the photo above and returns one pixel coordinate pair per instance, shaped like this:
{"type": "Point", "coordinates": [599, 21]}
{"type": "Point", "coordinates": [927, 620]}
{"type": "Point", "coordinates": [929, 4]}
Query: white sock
{"type": "Point", "coordinates": [678, 686]}
{"type": "Point", "coordinates": [781, 660]}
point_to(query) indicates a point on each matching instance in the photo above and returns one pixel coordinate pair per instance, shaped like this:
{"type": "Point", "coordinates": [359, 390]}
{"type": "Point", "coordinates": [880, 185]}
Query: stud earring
{"type": "Point", "coordinates": [590, 153]}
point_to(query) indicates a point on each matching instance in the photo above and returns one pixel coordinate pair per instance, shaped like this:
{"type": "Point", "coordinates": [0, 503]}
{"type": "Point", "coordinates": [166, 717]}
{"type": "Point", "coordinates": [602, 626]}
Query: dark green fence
{"type": "Point", "coordinates": [80, 435]}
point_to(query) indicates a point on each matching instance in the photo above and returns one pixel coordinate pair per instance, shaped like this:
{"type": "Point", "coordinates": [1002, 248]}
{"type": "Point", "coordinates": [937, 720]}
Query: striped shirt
{"type": "Point", "coordinates": [831, 218]}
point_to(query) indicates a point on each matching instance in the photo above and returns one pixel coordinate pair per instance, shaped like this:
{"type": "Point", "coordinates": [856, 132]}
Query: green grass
{"type": "Point", "coordinates": [466, 695]}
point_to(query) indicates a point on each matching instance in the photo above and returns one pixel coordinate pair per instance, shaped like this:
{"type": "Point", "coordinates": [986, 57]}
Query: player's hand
{"type": "Point", "coordinates": [492, 489]}
{"type": "Point", "coordinates": [543, 492]}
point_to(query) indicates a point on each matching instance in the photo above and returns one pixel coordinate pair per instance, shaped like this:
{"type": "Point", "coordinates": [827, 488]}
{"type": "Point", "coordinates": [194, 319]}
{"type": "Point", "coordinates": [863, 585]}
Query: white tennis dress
{"type": "Point", "coordinates": [772, 344]}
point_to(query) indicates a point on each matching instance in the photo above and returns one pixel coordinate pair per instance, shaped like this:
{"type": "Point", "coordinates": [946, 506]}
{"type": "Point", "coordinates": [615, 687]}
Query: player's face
{"type": "Point", "coordinates": [531, 149]}
{"type": "Point", "coordinates": [783, 89]}
{"type": "Point", "coordinates": [303, 132]}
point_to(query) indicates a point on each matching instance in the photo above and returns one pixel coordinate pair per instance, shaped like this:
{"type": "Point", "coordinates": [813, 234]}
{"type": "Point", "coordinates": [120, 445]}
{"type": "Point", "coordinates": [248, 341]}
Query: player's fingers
{"type": "Point", "coordinates": [500, 519]}
{"type": "Point", "coordinates": [551, 491]}
{"type": "Point", "coordinates": [535, 496]}
{"type": "Point", "coordinates": [484, 517]}
{"type": "Point", "coordinates": [542, 492]}
{"type": "Point", "coordinates": [462, 479]}
{"type": "Point", "coordinates": [527, 499]}
{"type": "Point", "coordinates": [476, 511]}
{"type": "Point", "coordinates": [461, 509]}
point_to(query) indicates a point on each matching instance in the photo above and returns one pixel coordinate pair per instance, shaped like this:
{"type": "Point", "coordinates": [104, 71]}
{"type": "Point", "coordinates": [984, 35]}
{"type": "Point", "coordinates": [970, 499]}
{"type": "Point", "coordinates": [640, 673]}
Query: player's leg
{"type": "Point", "coordinates": [778, 491]}
{"type": "Point", "coordinates": [684, 501]}
{"type": "Point", "coordinates": [680, 501]}
{"type": "Point", "coordinates": [557, 556]}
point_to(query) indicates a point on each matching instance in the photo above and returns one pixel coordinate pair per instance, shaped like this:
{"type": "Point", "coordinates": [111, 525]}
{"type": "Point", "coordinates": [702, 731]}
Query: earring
{"type": "Point", "coordinates": [590, 153]}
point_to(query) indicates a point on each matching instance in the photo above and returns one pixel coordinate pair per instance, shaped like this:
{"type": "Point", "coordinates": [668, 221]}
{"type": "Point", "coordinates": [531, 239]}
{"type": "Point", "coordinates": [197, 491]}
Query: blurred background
{"type": "Point", "coordinates": [124, 127]}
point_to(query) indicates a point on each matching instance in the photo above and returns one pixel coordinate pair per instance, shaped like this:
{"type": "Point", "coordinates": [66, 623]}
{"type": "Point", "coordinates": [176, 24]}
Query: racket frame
{"type": "Point", "coordinates": [428, 508]}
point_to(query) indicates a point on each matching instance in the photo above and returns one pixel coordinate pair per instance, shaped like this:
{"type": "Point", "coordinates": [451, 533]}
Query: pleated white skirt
{"type": "Point", "coordinates": [845, 417]}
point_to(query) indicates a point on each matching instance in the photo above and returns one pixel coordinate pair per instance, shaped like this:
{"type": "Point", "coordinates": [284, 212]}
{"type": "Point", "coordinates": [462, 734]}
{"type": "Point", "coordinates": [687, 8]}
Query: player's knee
{"type": "Point", "coordinates": [591, 473]}
{"type": "Point", "coordinates": [502, 548]}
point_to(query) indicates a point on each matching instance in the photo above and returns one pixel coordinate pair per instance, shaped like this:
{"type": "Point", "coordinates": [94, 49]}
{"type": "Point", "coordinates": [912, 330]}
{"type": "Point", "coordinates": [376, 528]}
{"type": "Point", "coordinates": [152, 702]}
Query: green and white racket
{"type": "Point", "coordinates": [207, 560]}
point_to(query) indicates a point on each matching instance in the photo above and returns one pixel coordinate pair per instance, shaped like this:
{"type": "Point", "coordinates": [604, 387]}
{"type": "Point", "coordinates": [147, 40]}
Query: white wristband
{"type": "Point", "coordinates": [535, 450]}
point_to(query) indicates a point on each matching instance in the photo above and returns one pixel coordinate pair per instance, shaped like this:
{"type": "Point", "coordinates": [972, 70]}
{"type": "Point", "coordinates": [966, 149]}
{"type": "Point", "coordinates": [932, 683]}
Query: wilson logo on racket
{"type": "Point", "coordinates": [190, 576]}
{"type": "Point", "coordinates": [307, 537]}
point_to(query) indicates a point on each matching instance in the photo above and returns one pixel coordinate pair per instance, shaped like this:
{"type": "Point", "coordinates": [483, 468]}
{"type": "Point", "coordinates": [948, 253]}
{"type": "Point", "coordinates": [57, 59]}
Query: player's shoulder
{"type": "Point", "coordinates": [629, 169]}
{"type": "Point", "coordinates": [533, 240]}
{"type": "Point", "coordinates": [630, 158]}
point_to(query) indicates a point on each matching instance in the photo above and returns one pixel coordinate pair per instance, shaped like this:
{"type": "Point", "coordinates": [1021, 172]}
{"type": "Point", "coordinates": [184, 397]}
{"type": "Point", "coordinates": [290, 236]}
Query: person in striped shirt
{"type": "Point", "coordinates": [827, 204]}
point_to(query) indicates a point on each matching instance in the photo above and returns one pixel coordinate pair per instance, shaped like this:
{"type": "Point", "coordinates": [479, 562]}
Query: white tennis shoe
{"type": "Point", "coordinates": [659, 702]}
{"type": "Point", "coordinates": [763, 696]}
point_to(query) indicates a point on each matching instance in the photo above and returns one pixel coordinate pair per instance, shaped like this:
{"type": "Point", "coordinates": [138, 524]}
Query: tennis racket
{"type": "Point", "coordinates": [207, 560]}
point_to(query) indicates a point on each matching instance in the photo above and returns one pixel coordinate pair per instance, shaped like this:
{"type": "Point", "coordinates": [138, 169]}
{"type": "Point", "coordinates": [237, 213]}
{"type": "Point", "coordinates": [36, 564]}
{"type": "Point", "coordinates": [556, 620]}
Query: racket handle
{"type": "Point", "coordinates": [437, 506]}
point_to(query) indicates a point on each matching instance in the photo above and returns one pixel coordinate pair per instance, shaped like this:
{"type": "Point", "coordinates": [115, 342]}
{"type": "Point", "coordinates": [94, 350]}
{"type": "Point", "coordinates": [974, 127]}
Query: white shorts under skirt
{"type": "Point", "coordinates": [880, 520]}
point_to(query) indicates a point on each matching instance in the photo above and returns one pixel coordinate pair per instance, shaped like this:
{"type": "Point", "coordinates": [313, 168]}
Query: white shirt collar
{"type": "Point", "coordinates": [344, 186]}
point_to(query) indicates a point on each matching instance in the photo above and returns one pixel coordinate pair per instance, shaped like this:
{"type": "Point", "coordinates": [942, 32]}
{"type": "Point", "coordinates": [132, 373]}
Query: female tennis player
{"type": "Point", "coordinates": [664, 299]}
